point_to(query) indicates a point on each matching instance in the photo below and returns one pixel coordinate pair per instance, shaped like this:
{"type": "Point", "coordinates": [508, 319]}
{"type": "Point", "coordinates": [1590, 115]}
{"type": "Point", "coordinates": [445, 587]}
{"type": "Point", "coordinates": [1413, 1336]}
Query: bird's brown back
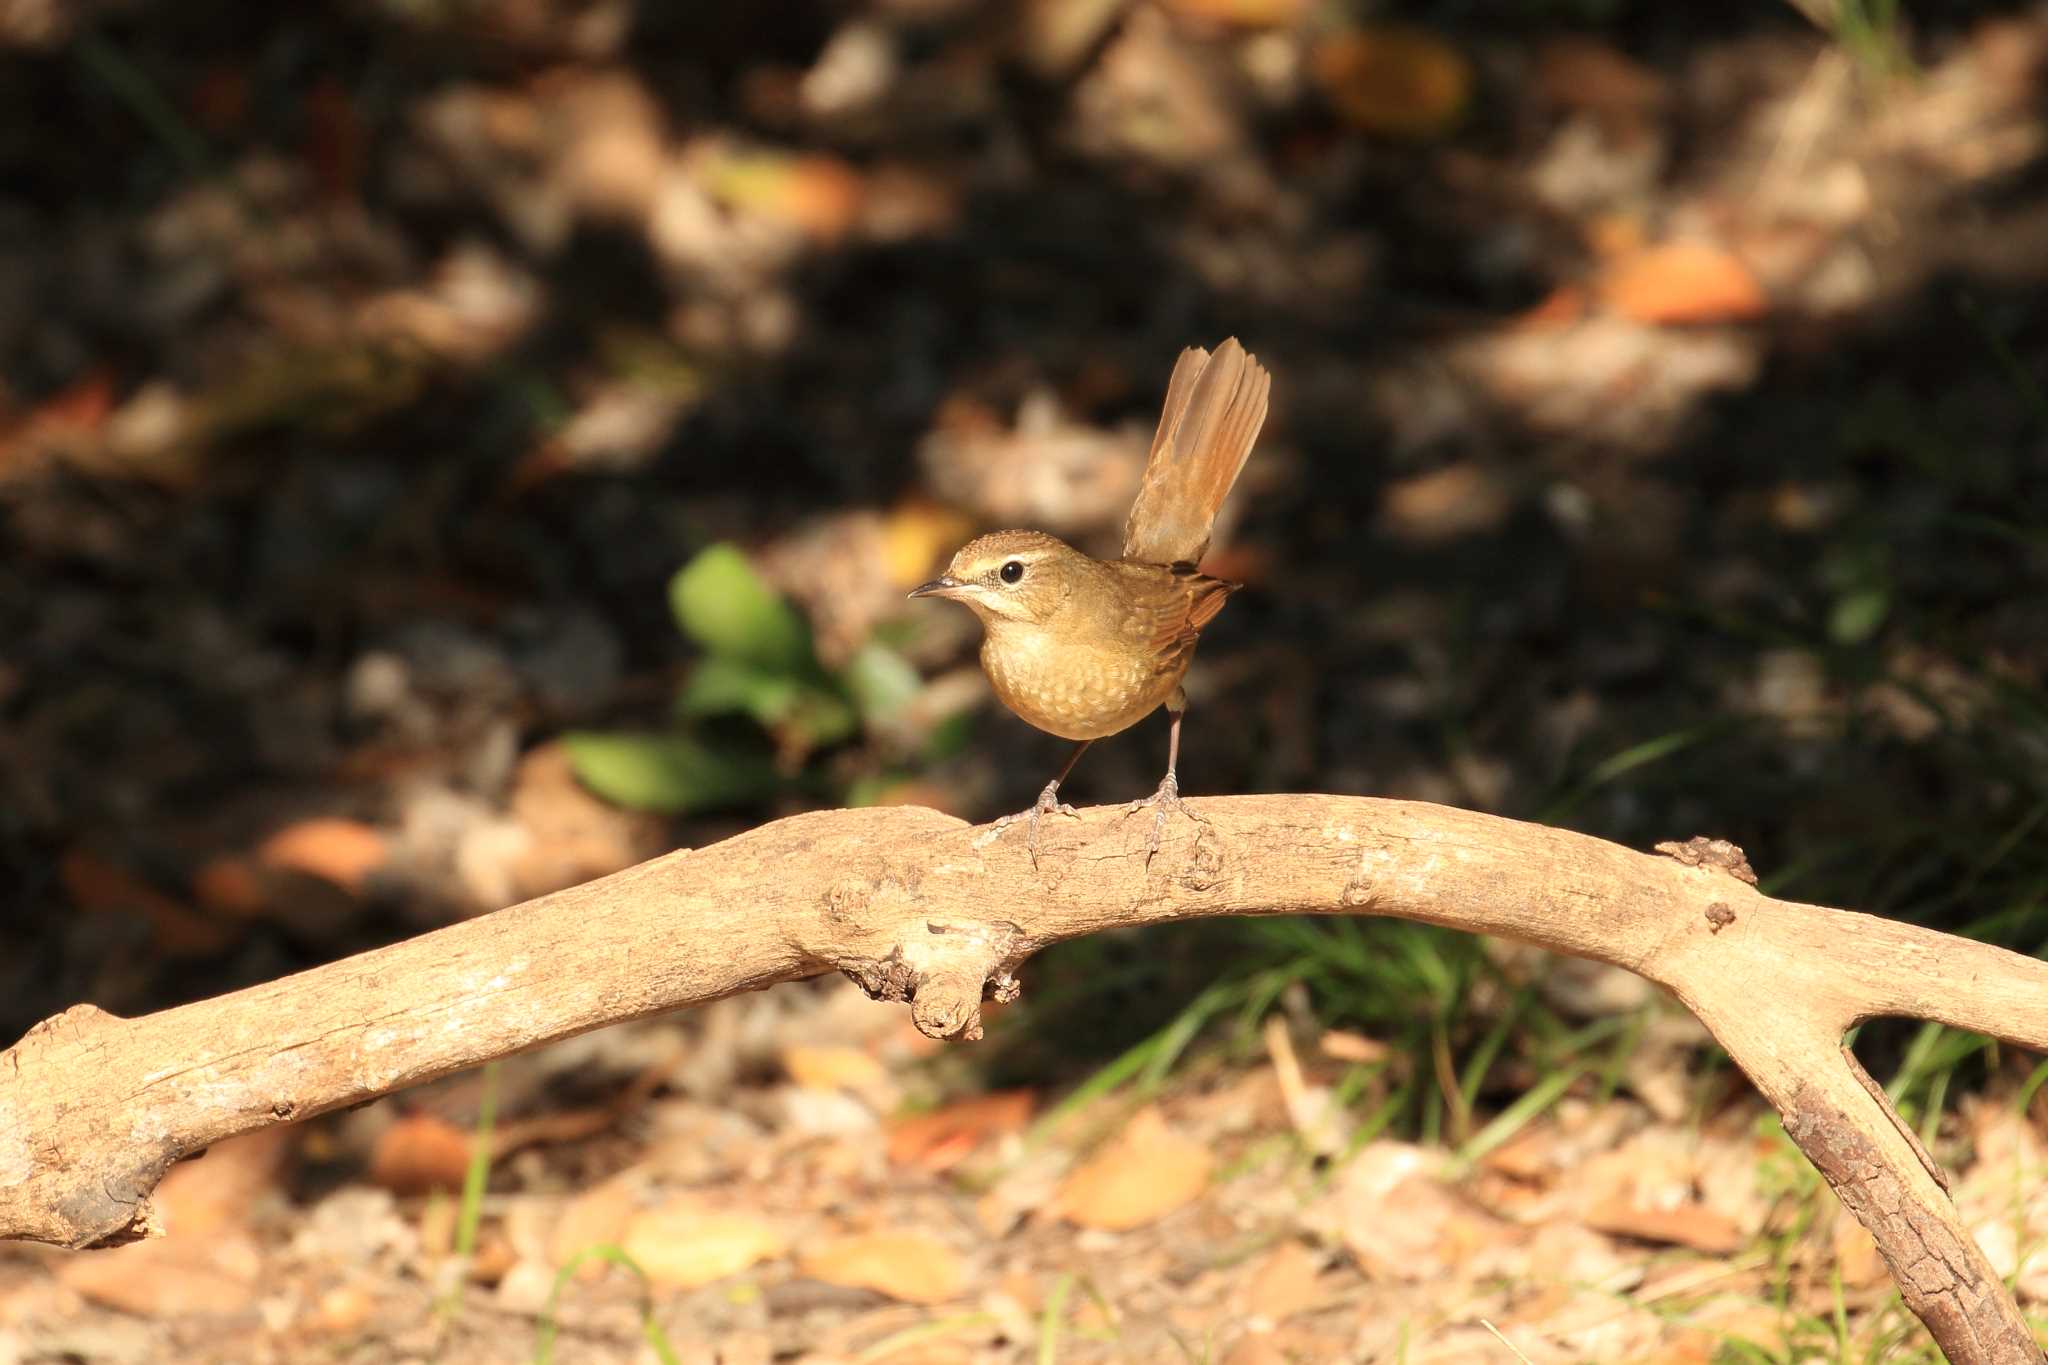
{"type": "Point", "coordinates": [1215, 405]}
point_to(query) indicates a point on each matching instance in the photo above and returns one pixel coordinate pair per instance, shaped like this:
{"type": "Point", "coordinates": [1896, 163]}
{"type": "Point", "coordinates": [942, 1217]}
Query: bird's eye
{"type": "Point", "coordinates": [1012, 571]}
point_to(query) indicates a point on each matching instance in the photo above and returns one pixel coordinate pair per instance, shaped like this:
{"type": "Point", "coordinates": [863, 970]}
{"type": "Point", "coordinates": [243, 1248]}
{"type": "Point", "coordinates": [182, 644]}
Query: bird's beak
{"type": "Point", "coordinates": [944, 586]}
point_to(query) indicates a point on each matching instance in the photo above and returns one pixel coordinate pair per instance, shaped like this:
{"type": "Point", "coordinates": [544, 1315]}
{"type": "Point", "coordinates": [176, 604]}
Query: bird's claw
{"type": "Point", "coordinates": [1048, 803]}
{"type": "Point", "coordinates": [1166, 799]}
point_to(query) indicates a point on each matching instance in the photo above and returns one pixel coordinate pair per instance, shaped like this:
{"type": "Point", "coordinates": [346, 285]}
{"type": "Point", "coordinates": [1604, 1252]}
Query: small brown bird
{"type": "Point", "coordinates": [1083, 648]}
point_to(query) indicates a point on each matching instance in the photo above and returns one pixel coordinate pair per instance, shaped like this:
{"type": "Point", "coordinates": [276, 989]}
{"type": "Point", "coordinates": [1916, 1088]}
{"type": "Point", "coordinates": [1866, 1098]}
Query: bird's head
{"type": "Point", "coordinates": [1021, 576]}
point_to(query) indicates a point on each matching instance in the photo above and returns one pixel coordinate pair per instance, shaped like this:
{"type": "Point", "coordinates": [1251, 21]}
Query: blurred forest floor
{"type": "Point", "coordinates": [1659, 447]}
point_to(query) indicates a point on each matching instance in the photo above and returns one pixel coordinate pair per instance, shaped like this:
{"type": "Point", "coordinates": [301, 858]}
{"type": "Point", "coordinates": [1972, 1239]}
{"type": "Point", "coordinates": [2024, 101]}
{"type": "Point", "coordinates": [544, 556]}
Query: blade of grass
{"type": "Point", "coordinates": [2034, 1080]}
{"type": "Point", "coordinates": [1146, 1061]}
{"type": "Point", "coordinates": [475, 1178]}
{"type": "Point", "coordinates": [650, 1331]}
{"type": "Point", "coordinates": [1052, 1322]}
{"type": "Point", "coordinates": [1483, 1056]}
{"type": "Point", "coordinates": [133, 88]}
{"type": "Point", "coordinates": [923, 1332]}
{"type": "Point", "coordinates": [1530, 1105]}
{"type": "Point", "coordinates": [1627, 761]}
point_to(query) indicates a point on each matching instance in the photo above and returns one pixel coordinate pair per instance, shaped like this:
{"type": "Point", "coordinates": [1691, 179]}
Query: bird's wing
{"type": "Point", "coordinates": [1215, 405]}
{"type": "Point", "coordinates": [1168, 608]}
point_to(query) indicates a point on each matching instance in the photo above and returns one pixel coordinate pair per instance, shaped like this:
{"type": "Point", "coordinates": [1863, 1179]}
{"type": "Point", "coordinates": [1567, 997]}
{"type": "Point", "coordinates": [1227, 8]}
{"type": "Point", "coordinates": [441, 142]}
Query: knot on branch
{"type": "Point", "coordinates": [944, 973]}
{"type": "Point", "coordinates": [1700, 851]}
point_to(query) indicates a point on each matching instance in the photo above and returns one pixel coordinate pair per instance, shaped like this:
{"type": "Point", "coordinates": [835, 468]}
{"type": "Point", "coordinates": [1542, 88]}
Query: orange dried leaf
{"type": "Point", "coordinates": [83, 407]}
{"type": "Point", "coordinates": [1241, 13]}
{"type": "Point", "coordinates": [1394, 81]}
{"type": "Point", "coordinates": [945, 1137]}
{"type": "Point", "coordinates": [1562, 307]}
{"type": "Point", "coordinates": [908, 1266]}
{"type": "Point", "coordinates": [1585, 73]}
{"type": "Point", "coordinates": [206, 1194]}
{"type": "Point", "coordinates": [230, 886]}
{"type": "Point", "coordinates": [420, 1152]}
{"type": "Point", "coordinates": [1145, 1174]}
{"type": "Point", "coordinates": [820, 194]}
{"type": "Point", "coordinates": [1856, 1255]}
{"type": "Point", "coordinates": [831, 1067]}
{"type": "Point", "coordinates": [1682, 282]}
{"type": "Point", "coordinates": [344, 852]}
{"type": "Point", "coordinates": [599, 1214]}
{"type": "Point", "coordinates": [1283, 1283]}
{"type": "Point", "coordinates": [210, 1277]}
{"type": "Point", "coordinates": [98, 885]}
{"type": "Point", "coordinates": [1688, 1225]}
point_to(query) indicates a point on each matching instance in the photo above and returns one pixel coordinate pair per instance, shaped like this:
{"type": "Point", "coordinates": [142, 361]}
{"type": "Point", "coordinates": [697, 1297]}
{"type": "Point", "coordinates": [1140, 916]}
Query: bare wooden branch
{"type": "Point", "coordinates": [912, 905]}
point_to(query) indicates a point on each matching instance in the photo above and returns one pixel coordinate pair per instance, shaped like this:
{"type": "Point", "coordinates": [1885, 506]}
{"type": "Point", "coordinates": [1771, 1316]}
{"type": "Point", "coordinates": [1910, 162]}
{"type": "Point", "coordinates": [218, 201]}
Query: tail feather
{"type": "Point", "coordinates": [1215, 405]}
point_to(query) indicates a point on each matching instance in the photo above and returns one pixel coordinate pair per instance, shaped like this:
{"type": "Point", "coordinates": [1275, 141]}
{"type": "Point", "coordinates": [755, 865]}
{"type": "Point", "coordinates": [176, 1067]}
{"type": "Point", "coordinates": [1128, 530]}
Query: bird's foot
{"type": "Point", "coordinates": [1048, 803]}
{"type": "Point", "coordinates": [1166, 799]}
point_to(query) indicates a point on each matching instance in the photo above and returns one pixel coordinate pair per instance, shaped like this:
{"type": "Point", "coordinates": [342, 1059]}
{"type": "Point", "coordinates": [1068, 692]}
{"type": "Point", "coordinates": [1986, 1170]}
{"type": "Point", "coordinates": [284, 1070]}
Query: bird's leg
{"type": "Point", "coordinates": [1167, 798]}
{"type": "Point", "coordinates": [1048, 803]}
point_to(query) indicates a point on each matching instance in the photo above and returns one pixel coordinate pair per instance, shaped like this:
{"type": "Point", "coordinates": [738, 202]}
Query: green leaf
{"type": "Point", "coordinates": [819, 716]}
{"type": "Point", "coordinates": [809, 714]}
{"type": "Point", "coordinates": [869, 791]}
{"type": "Point", "coordinates": [1857, 615]}
{"type": "Point", "coordinates": [671, 773]}
{"type": "Point", "coordinates": [881, 681]}
{"type": "Point", "coordinates": [948, 737]}
{"type": "Point", "coordinates": [724, 686]}
{"type": "Point", "coordinates": [722, 604]}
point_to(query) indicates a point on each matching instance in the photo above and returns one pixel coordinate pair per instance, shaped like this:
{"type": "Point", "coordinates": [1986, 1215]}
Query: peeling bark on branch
{"type": "Point", "coordinates": [94, 1108]}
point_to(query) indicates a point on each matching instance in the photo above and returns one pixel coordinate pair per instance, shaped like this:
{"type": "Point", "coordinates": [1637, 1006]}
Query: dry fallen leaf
{"type": "Point", "coordinates": [1584, 73]}
{"type": "Point", "coordinates": [1682, 282]}
{"type": "Point", "coordinates": [1400, 1224]}
{"type": "Point", "coordinates": [344, 852]}
{"type": "Point", "coordinates": [420, 1152]}
{"type": "Point", "coordinates": [832, 1067]}
{"type": "Point", "coordinates": [173, 1278]}
{"type": "Point", "coordinates": [1240, 13]}
{"type": "Point", "coordinates": [342, 1310]}
{"type": "Point", "coordinates": [231, 885]}
{"type": "Point", "coordinates": [1145, 1174]}
{"type": "Point", "coordinates": [1856, 1255]}
{"type": "Point", "coordinates": [817, 194]}
{"type": "Point", "coordinates": [206, 1263]}
{"type": "Point", "coordinates": [945, 1137]}
{"type": "Point", "coordinates": [597, 1216]}
{"type": "Point", "coordinates": [1561, 307]}
{"type": "Point", "coordinates": [683, 1245]}
{"type": "Point", "coordinates": [1394, 81]}
{"type": "Point", "coordinates": [1687, 1225]}
{"type": "Point", "coordinates": [1444, 504]}
{"type": "Point", "coordinates": [1283, 1283]}
{"type": "Point", "coordinates": [909, 1266]}
{"type": "Point", "coordinates": [94, 883]}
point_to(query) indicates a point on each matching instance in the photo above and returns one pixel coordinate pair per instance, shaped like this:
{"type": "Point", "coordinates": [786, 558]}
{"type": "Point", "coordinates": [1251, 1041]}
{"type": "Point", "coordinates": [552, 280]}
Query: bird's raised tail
{"type": "Point", "coordinates": [1215, 405]}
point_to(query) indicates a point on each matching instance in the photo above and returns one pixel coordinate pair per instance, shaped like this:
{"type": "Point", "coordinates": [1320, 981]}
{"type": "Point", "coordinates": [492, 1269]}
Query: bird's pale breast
{"type": "Point", "coordinates": [1076, 691]}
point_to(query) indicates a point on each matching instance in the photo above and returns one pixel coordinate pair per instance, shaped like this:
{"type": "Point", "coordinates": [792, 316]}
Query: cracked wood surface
{"type": "Point", "coordinates": [94, 1108]}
